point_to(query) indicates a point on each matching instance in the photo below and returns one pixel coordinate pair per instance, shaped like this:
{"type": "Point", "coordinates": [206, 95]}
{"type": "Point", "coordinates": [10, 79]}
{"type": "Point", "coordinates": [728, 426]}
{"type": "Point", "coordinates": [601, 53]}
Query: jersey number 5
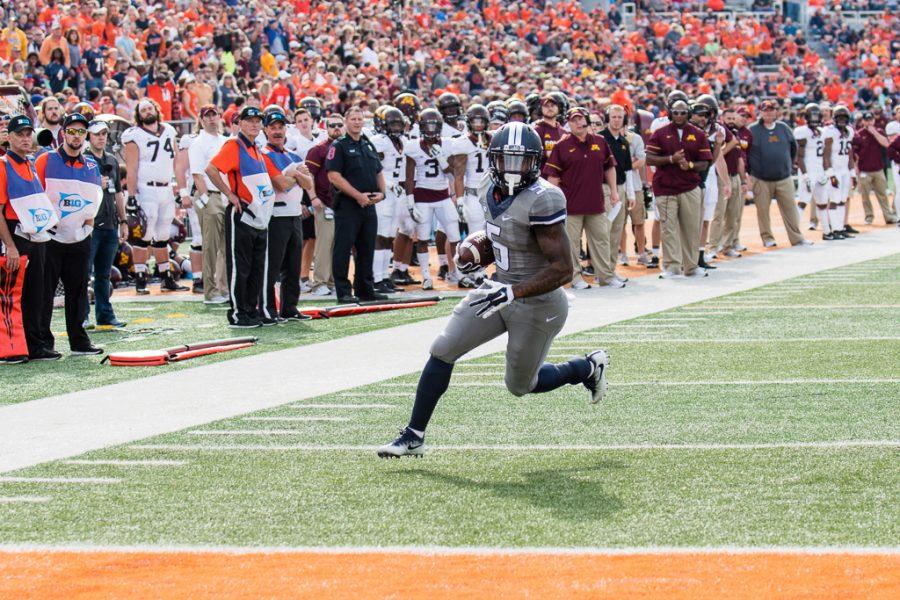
{"type": "Point", "coordinates": [501, 252]}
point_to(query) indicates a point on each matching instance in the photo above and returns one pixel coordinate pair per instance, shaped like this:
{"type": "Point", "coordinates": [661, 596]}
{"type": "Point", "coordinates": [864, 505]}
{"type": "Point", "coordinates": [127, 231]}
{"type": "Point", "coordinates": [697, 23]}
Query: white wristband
{"type": "Point", "coordinates": [183, 193]}
{"type": "Point", "coordinates": [829, 172]}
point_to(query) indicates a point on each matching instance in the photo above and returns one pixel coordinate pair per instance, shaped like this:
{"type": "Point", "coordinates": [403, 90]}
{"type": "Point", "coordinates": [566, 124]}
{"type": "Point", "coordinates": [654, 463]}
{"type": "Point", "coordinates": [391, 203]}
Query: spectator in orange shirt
{"type": "Point", "coordinates": [52, 42]}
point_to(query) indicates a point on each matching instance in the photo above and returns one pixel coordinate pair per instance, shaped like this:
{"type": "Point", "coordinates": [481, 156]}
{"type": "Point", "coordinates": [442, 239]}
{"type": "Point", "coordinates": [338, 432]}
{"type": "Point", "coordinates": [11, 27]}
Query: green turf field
{"type": "Point", "coordinates": [754, 419]}
{"type": "Point", "coordinates": [155, 325]}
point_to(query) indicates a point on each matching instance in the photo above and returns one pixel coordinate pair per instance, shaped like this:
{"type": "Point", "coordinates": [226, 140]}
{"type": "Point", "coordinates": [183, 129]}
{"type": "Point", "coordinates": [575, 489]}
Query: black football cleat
{"type": "Point", "coordinates": [170, 285]}
{"type": "Point", "coordinates": [197, 286]}
{"type": "Point", "coordinates": [849, 229]}
{"type": "Point", "coordinates": [442, 272]}
{"type": "Point", "coordinates": [408, 444]}
{"type": "Point", "coordinates": [140, 284]}
{"type": "Point", "coordinates": [831, 236]}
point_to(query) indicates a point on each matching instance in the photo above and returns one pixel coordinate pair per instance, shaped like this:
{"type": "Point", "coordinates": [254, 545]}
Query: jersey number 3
{"type": "Point", "coordinates": [501, 252]}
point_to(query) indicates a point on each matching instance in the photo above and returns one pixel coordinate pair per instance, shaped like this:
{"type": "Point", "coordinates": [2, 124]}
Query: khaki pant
{"type": "Point", "coordinates": [783, 192]}
{"type": "Point", "coordinates": [875, 181]}
{"type": "Point", "coordinates": [679, 222]}
{"type": "Point", "coordinates": [324, 247]}
{"type": "Point", "coordinates": [726, 224]}
{"type": "Point", "coordinates": [212, 226]}
{"type": "Point", "coordinates": [617, 225]}
{"type": "Point", "coordinates": [596, 229]}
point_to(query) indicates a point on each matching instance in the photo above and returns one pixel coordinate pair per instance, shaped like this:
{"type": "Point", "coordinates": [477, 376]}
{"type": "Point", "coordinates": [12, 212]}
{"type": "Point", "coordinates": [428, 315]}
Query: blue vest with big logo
{"type": "Point", "coordinates": [30, 203]}
{"type": "Point", "coordinates": [75, 193]}
{"type": "Point", "coordinates": [287, 204]}
{"type": "Point", "coordinates": [256, 179]}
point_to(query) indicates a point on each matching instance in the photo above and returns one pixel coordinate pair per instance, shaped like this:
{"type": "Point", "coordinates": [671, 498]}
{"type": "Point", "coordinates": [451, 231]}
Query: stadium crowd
{"type": "Point", "coordinates": [205, 82]}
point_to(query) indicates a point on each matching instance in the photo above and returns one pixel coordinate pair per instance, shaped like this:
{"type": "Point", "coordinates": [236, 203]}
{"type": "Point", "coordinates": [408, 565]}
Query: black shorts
{"type": "Point", "coordinates": [309, 228]}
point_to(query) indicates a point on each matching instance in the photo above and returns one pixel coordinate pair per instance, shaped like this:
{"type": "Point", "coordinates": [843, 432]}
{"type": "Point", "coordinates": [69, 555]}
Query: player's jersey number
{"type": "Point", "coordinates": [501, 252]}
{"type": "Point", "coordinates": [167, 147]}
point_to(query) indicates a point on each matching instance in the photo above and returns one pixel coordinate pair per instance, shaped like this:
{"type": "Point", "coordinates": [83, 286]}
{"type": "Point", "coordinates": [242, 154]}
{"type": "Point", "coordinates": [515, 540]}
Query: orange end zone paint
{"type": "Point", "coordinates": [139, 574]}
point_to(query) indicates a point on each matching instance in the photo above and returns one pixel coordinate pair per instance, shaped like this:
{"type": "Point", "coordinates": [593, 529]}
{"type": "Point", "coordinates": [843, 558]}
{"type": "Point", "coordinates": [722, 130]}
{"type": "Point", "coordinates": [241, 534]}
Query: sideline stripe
{"type": "Point", "coordinates": [24, 499]}
{"type": "Point", "coordinates": [60, 480]}
{"type": "Point", "coordinates": [127, 463]}
{"type": "Point", "coordinates": [798, 306]}
{"type": "Point", "coordinates": [373, 395]}
{"type": "Point", "coordinates": [341, 405]}
{"type": "Point", "coordinates": [883, 338]}
{"type": "Point", "coordinates": [648, 326]}
{"type": "Point", "coordinates": [250, 431]}
{"type": "Point", "coordinates": [455, 550]}
{"type": "Point", "coordinates": [683, 383]}
{"type": "Point", "coordinates": [295, 419]}
{"type": "Point", "coordinates": [839, 445]}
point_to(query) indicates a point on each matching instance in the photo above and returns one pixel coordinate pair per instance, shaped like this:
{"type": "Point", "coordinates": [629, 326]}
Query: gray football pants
{"type": "Point", "coordinates": [532, 324]}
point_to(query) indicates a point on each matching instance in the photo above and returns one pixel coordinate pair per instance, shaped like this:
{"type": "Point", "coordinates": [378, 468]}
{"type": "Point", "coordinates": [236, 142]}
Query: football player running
{"type": "Point", "coordinates": [150, 163]}
{"type": "Point", "coordinates": [525, 217]}
{"type": "Point", "coordinates": [840, 166]}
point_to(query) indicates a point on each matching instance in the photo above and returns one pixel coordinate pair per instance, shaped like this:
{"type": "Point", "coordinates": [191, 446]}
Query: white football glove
{"type": "Point", "coordinates": [201, 201]}
{"type": "Point", "coordinates": [414, 212]}
{"type": "Point", "coordinates": [398, 190]}
{"type": "Point", "coordinates": [491, 297]}
{"type": "Point", "coordinates": [460, 209]}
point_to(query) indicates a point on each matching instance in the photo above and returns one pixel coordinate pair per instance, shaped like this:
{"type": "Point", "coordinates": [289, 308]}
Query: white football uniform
{"type": "Point", "coordinates": [391, 210]}
{"type": "Point", "coordinates": [184, 145]}
{"type": "Point", "coordinates": [813, 184]}
{"type": "Point", "coordinates": [156, 170]}
{"type": "Point", "coordinates": [840, 162]}
{"type": "Point", "coordinates": [299, 145]}
{"type": "Point", "coordinates": [432, 191]}
{"type": "Point", "coordinates": [475, 180]}
{"type": "Point", "coordinates": [711, 185]}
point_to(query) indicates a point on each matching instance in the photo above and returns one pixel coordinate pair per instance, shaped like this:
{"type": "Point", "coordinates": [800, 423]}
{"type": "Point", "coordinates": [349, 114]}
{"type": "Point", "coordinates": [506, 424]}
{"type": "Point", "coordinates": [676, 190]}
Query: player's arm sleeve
{"type": "Point", "coordinates": [548, 208]}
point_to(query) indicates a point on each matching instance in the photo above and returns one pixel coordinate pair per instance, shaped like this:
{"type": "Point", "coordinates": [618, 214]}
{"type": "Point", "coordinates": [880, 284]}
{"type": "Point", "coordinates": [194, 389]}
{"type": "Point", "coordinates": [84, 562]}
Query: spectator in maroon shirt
{"type": "Point", "coordinates": [580, 163]}
{"type": "Point", "coordinates": [868, 146]}
{"type": "Point", "coordinates": [323, 282]}
{"type": "Point", "coordinates": [680, 152]}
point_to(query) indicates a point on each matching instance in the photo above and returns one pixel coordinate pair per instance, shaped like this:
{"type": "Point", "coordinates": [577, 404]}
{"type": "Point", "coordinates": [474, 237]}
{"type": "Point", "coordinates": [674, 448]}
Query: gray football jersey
{"type": "Point", "coordinates": [509, 227]}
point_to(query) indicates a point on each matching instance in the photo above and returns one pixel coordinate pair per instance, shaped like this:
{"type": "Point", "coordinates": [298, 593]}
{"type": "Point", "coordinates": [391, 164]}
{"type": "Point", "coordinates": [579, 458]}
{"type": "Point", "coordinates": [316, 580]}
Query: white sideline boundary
{"type": "Point", "coordinates": [87, 480]}
{"type": "Point", "coordinates": [68, 425]}
{"type": "Point", "coordinates": [573, 343]}
{"type": "Point", "coordinates": [349, 406]}
{"type": "Point", "coordinates": [127, 463]}
{"type": "Point", "coordinates": [736, 306]}
{"type": "Point", "coordinates": [24, 499]}
{"type": "Point", "coordinates": [821, 445]}
{"type": "Point", "coordinates": [614, 384]}
{"type": "Point", "coordinates": [456, 550]}
{"type": "Point", "coordinates": [295, 419]}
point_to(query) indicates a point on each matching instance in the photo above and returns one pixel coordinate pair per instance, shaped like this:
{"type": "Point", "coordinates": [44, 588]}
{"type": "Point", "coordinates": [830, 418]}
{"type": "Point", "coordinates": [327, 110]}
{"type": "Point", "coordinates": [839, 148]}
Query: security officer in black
{"type": "Point", "coordinates": [354, 171]}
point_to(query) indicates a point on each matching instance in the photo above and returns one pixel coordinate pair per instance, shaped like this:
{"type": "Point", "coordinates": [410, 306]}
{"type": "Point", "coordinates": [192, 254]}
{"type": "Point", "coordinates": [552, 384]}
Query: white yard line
{"type": "Point", "coordinates": [457, 550]}
{"type": "Point", "coordinates": [295, 419]}
{"type": "Point", "coordinates": [68, 425]}
{"type": "Point", "coordinates": [672, 319]}
{"type": "Point", "coordinates": [822, 445]}
{"type": "Point", "coordinates": [800, 306]}
{"type": "Point", "coordinates": [350, 406]}
{"type": "Point", "coordinates": [127, 463]}
{"type": "Point", "coordinates": [648, 326]}
{"type": "Point", "coordinates": [370, 395]}
{"type": "Point", "coordinates": [773, 340]}
{"type": "Point", "coordinates": [747, 382]}
{"type": "Point", "coordinates": [24, 499]}
{"type": "Point", "coordinates": [60, 480]}
{"type": "Point", "coordinates": [256, 432]}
